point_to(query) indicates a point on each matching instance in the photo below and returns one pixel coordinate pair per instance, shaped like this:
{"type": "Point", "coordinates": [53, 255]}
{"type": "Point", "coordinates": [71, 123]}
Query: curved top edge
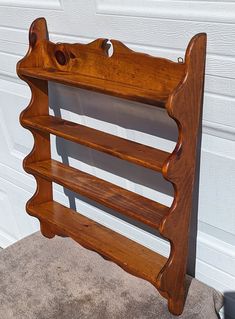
{"type": "Point", "coordinates": [197, 40]}
{"type": "Point", "coordinates": [159, 77]}
{"type": "Point", "coordinates": [38, 31]}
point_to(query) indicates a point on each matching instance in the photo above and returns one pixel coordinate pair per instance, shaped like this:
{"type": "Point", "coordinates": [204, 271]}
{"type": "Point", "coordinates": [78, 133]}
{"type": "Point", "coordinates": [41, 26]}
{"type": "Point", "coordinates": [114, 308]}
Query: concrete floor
{"type": "Point", "coordinates": [57, 278]}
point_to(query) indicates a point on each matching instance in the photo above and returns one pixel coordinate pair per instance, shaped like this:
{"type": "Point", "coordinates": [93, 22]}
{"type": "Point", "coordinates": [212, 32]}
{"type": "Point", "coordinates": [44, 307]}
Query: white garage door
{"type": "Point", "coordinates": [161, 28]}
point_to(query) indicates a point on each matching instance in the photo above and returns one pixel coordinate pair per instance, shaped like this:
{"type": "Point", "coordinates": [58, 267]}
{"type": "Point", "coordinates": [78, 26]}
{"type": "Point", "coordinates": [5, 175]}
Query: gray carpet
{"type": "Point", "coordinates": [58, 279]}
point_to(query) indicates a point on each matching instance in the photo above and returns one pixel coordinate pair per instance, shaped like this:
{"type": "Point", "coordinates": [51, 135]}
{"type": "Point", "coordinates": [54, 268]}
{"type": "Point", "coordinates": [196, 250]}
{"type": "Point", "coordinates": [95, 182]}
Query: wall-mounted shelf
{"type": "Point", "coordinates": [178, 87]}
{"type": "Point", "coordinates": [127, 150]}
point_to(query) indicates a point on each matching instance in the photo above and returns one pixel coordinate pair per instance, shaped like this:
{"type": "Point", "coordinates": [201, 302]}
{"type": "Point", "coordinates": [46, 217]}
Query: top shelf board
{"type": "Point", "coordinates": [126, 73]}
{"type": "Point", "coordinates": [98, 85]}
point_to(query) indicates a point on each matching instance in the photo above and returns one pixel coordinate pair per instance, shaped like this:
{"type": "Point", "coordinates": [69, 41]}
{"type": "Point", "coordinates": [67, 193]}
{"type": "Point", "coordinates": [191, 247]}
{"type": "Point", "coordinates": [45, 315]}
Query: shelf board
{"type": "Point", "coordinates": [137, 153]}
{"type": "Point", "coordinates": [131, 256]}
{"type": "Point", "coordinates": [125, 202]}
{"type": "Point", "coordinates": [156, 97]}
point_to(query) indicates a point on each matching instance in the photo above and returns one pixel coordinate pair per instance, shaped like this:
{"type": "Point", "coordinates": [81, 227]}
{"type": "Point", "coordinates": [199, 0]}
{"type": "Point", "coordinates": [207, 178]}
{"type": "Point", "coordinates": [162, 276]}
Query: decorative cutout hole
{"type": "Point", "coordinates": [110, 48]}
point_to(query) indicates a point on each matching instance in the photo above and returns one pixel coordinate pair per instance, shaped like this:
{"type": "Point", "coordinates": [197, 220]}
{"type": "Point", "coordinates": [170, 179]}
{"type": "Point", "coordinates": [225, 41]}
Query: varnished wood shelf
{"type": "Point", "coordinates": [122, 90]}
{"type": "Point", "coordinates": [178, 87]}
{"type": "Point", "coordinates": [137, 153]}
{"type": "Point", "coordinates": [128, 203]}
{"type": "Point", "coordinates": [133, 257]}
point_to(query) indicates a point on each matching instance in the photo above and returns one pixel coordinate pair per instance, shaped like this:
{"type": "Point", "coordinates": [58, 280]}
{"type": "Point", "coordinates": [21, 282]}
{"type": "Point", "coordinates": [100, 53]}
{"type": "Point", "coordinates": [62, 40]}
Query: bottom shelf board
{"type": "Point", "coordinates": [128, 254]}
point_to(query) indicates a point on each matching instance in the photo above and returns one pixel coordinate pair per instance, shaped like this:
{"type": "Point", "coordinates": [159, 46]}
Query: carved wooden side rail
{"type": "Point", "coordinates": [178, 87]}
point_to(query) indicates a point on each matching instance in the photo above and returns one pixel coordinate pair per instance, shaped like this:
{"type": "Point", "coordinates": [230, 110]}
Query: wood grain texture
{"type": "Point", "coordinates": [128, 203]}
{"type": "Point", "coordinates": [38, 106]}
{"type": "Point", "coordinates": [131, 256]}
{"type": "Point", "coordinates": [126, 74]}
{"type": "Point", "coordinates": [135, 76]}
{"type": "Point", "coordinates": [137, 153]}
{"type": "Point", "coordinates": [185, 107]}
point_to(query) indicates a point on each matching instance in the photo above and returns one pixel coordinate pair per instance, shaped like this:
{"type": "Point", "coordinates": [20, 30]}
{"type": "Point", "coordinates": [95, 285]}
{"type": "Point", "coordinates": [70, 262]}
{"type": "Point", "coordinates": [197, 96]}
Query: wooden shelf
{"type": "Point", "coordinates": [122, 90]}
{"type": "Point", "coordinates": [128, 203]}
{"type": "Point", "coordinates": [134, 76]}
{"type": "Point", "coordinates": [131, 256]}
{"type": "Point", "coordinates": [137, 153]}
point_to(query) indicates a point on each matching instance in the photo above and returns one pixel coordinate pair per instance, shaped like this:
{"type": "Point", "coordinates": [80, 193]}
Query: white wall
{"type": "Point", "coordinates": [161, 28]}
